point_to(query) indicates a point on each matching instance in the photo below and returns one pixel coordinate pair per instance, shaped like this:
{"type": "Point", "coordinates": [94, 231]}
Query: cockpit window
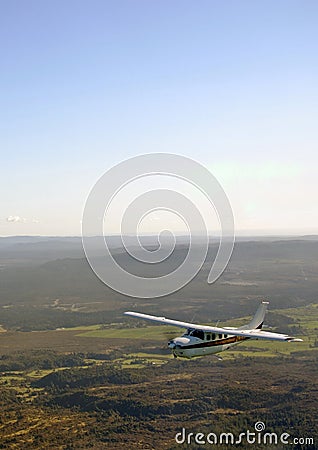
{"type": "Point", "coordinates": [198, 334]}
{"type": "Point", "coordinates": [188, 332]}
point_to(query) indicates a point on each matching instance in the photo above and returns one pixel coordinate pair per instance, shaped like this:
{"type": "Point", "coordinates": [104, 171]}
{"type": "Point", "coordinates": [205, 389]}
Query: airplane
{"type": "Point", "coordinates": [201, 340]}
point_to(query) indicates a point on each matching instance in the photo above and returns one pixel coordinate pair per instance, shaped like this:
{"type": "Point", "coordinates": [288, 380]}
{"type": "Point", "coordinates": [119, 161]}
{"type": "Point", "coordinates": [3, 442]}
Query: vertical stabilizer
{"type": "Point", "coordinates": [258, 319]}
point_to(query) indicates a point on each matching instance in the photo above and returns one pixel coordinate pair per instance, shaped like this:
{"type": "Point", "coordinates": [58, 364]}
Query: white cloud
{"type": "Point", "coordinates": [16, 219]}
{"type": "Point", "coordinates": [19, 219]}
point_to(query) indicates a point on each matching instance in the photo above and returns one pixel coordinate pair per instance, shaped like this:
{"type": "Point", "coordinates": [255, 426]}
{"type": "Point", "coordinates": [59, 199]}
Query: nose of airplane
{"type": "Point", "coordinates": [171, 344]}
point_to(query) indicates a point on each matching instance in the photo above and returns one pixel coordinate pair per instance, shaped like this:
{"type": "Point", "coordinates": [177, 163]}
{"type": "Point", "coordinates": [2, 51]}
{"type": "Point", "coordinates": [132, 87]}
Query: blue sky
{"type": "Point", "coordinates": [85, 85]}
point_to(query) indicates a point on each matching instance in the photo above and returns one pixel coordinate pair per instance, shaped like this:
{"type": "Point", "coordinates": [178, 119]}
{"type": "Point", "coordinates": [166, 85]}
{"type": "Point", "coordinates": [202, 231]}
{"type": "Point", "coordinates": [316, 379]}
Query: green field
{"type": "Point", "coordinates": [306, 316]}
{"type": "Point", "coordinates": [152, 333]}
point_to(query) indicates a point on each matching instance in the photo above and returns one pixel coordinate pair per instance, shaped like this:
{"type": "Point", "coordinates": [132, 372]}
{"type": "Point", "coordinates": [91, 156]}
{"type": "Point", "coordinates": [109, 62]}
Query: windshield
{"type": "Point", "coordinates": [188, 332]}
{"type": "Point", "coordinates": [197, 333]}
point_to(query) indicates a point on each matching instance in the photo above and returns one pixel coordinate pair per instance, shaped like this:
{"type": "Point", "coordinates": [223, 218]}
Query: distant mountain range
{"type": "Point", "coordinates": [22, 250]}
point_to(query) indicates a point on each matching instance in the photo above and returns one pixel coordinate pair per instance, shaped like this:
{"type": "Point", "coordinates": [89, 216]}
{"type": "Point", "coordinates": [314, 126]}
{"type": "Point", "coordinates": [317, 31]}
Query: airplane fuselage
{"type": "Point", "coordinates": [199, 343]}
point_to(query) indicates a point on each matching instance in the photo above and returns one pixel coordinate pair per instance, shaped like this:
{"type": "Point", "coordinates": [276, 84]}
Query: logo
{"type": "Point", "coordinates": [246, 437]}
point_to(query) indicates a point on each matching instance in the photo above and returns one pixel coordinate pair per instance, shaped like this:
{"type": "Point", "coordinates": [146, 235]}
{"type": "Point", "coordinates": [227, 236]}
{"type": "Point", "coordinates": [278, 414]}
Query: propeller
{"type": "Point", "coordinates": [170, 335]}
{"type": "Point", "coordinates": [167, 336]}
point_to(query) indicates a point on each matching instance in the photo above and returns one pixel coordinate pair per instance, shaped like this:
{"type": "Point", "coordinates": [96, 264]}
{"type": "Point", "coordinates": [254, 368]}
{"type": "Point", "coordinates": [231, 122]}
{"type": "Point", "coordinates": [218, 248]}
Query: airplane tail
{"type": "Point", "coordinates": [258, 319]}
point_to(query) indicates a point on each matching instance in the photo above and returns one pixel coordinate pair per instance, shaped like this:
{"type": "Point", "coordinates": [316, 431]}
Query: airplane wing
{"type": "Point", "coordinates": [253, 334]}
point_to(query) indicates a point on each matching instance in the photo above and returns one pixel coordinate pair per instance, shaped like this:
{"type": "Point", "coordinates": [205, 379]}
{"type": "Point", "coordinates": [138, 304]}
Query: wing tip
{"type": "Point", "coordinates": [293, 339]}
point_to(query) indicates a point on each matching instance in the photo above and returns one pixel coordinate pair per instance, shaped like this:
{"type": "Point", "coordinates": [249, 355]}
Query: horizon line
{"type": "Point", "coordinates": [240, 233]}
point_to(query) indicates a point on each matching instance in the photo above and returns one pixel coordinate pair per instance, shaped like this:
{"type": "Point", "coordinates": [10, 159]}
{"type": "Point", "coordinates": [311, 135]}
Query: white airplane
{"type": "Point", "coordinates": [200, 340]}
